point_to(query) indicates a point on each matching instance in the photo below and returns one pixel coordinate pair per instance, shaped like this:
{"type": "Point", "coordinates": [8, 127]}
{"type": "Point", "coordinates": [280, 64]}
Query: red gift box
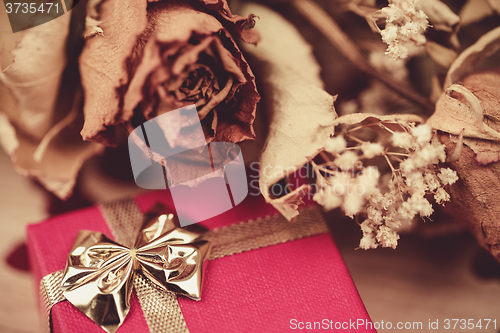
{"type": "Point", "coordinates": [299, 284]}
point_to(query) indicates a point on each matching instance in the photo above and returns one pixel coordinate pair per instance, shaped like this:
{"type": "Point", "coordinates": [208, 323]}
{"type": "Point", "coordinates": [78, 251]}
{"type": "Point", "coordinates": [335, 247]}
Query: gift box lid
{"type": "Point", "coordinates": [298, 284]}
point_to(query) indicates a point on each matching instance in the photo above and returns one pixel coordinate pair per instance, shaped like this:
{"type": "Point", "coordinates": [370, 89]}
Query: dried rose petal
{"type": "Point", "coordinates": [102, 64]}
{"type": "Point", "coordinates": [189, 58]}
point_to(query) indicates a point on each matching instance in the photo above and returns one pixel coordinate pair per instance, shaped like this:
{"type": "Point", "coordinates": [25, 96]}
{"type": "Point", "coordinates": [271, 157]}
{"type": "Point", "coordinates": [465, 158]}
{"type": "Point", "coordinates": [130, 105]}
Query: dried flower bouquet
{"type": "Point", "coordinates": [419, 106]}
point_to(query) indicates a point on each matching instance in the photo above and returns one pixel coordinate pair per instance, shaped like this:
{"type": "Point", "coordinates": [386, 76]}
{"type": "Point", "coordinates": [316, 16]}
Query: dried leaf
{"type": "Point", "coordinates": [459, 109]}
{"type": "Point", "coordinates": [486, 87]}
{"type": "Point", "coordinates": [357, 118]}
{"type": "Point", "coordinates": [442, 20]}
{"type": "Point", "coordinates": [495, 4]}
{"type": "Point", "coordinates": [301, 113]}
{"type": "Point", "coordinates": [442, 55]}
{"type": "Point", "coordinates": [475, 10]}
{"type": "Point", "coordinates": [469, 59]}
{"type": "Point", "coordinates": [440, 15]}
{"type": "Point", "coordinates": [472, 107]}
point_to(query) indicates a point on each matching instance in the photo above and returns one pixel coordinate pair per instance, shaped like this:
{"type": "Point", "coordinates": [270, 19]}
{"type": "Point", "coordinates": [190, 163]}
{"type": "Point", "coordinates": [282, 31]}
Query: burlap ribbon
{"type": "Point", "coordinates": [160, 308]}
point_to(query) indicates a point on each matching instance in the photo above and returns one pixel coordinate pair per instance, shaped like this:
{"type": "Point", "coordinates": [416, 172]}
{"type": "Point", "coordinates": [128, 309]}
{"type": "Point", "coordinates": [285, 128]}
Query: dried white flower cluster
{"type": "Point", "coordinates": [405, 24]}
{"type": "Point", "coordinates": [356, 189]}
{"type": "Point", "coordinates": [345, 188]}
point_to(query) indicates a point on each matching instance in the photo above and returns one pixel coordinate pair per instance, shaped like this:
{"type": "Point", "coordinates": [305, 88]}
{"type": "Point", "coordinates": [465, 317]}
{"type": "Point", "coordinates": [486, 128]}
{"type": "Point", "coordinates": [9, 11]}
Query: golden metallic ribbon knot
{"type": "Point", "coordinates": [99, 274]}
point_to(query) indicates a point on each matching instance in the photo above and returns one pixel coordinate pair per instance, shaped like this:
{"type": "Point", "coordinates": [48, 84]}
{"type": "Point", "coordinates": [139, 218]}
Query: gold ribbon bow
{"type": "Point", "coordinates": [99, 273]}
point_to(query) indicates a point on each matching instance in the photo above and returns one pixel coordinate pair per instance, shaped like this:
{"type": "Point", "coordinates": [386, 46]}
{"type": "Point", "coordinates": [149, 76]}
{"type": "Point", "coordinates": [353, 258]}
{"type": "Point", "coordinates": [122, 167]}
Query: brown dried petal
{"type": "Point", "coordinates": [441, 17]}
{"type": "Point", "coordinates": [237, 25]}
{"type": "Point", "coordinates": [102, 64]}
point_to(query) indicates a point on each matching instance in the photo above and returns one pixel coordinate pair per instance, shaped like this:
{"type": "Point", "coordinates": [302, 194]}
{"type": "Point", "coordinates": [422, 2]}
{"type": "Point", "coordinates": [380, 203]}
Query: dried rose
{"type": "Point", "coordinates": [183, 54]}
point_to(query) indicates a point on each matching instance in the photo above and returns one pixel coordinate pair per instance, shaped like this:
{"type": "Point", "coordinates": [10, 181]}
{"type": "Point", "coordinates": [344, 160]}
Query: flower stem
{"type": "Point", "coordinates": [390, 164]}
{"type": "Point", "coordinates": [381, 124]}
{"type": "Point", "coordinates": [399, 154]}
{"type": "Point", "coordinates": [363, 126]}
{"type": "Point", "coordinates": [324, 156]}
{"type": "Point", "coordinates": [396, 158]}
{"type": "Point", "coordinates": [355, 139]}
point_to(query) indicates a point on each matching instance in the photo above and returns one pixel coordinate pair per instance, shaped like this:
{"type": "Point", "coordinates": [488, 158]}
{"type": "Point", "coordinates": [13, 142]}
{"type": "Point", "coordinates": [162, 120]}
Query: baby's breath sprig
{"type": "Point", "coordinates": [405, 26]}
{"type": "Point", "coordinates": [413, 156]}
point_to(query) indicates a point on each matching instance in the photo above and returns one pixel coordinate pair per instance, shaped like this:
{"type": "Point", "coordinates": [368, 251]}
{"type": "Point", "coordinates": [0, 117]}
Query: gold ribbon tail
{"type": "Point", "coordinates": [50, 294]}
{"type": "Point", "coordinates": [161, 309]}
